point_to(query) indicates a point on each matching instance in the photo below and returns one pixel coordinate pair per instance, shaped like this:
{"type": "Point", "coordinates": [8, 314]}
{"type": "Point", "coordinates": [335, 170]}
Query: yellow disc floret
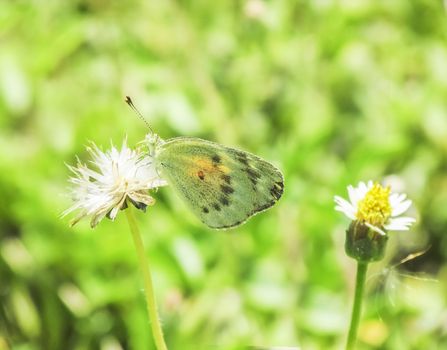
{"type": "Point", "coordinates": [375, 207]}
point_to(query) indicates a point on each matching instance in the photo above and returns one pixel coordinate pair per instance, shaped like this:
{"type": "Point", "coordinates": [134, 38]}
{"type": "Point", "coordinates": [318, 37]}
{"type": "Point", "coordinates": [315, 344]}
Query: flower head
{"type": "Point", "coordinates": [115, 177]}
{"type": "Point", "coordinates": [376, 207]}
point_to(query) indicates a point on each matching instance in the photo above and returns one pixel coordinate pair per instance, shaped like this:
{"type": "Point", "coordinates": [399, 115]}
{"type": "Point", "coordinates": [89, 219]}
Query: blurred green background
{"type": "Point", "coordinates": [332, 92]}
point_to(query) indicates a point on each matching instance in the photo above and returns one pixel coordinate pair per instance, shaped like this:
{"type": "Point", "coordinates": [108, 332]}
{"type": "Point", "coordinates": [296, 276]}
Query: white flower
{"type": "Point", "coordinates": [115, 177]}
{"type": "Point", "coordinates": [376, 207]}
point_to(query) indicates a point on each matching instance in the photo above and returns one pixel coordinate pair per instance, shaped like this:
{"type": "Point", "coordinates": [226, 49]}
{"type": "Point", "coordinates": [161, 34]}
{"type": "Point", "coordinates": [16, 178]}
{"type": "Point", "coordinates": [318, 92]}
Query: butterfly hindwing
{"type": "Point", "coordinates": [223, 186]}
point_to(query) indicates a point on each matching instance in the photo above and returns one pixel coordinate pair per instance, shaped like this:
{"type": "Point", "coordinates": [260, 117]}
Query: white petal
{"type": "Point", "coordinates": [362, 186]}
{"type": "Point", "coordinates": [400, 224]}
{"type": "Point", "coordinates": [345, 207]}
{"type": "Point", "coordinates": [353, 196]}
{"type": "Point", "coordinates": [157, 183]}
{"type": "Point", "coordinates": [75, 220]}
{"type": "Point", "coordinates": [401, 208]}
{"type": "Point", "coordinates": [393, 198]}
{"type": "Point", "coordinates": [96, 218]}
{"type": "Point", "coordinates": [142, 198]}
{"type": "Point", "coordinates": [341, 201]}
{"type": "Point", "coordinates": [362, 189]}
{"type": "Point", "coordinates": [396, 199]}
{"type": "Point", "coordinates": [114, 212]}
{"type": "Point", "coordinates": [375, 228]}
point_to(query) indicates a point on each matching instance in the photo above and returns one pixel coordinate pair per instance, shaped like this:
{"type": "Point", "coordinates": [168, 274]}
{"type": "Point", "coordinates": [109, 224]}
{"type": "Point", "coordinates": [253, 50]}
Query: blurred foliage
{"type": "Point", "coordinates": [333, 92]}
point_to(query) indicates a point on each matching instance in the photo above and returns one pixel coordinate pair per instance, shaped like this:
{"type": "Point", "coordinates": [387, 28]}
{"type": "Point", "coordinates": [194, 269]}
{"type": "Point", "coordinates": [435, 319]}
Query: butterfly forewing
{"type": "Point", "coordinates": [223, 186]}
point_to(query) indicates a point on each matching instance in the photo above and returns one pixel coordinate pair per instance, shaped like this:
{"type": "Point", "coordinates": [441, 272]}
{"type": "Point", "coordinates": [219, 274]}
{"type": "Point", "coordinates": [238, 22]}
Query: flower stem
{"type": "Point", "coordinates": [148, 287]}
{"type": "Point", "coordinates": [357, 307]}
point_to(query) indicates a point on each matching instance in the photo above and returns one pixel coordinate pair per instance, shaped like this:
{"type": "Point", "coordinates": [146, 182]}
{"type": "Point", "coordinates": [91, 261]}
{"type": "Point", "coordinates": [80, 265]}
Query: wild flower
{"type": "Point", "coordinates": [376, 206]}
{"type": "Point", "coordinates": [112, 179]}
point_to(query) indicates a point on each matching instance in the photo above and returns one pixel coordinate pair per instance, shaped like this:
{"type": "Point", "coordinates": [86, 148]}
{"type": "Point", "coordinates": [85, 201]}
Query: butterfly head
{"type": "Point", "coordinates": [153, 142]}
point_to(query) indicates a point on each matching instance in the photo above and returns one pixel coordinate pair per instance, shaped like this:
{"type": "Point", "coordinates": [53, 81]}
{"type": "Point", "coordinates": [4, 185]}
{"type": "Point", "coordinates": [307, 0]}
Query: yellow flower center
{"type": "Point", "coordinates": [375, 208]}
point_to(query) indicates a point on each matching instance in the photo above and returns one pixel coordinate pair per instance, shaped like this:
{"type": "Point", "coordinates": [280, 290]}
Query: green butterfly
{"type": "Point", "coordinates": [223, 186]}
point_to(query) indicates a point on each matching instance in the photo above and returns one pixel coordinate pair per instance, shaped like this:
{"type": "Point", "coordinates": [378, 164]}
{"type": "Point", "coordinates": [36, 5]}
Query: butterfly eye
{"type": "Point", "coordinates": [201, 175]}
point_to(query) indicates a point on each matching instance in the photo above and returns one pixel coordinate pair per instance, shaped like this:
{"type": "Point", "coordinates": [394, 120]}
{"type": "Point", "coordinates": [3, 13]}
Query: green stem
{"type": "Point", "coordinates": [148, 287]}
{"type": "Point", "coordinates": [357, 307]}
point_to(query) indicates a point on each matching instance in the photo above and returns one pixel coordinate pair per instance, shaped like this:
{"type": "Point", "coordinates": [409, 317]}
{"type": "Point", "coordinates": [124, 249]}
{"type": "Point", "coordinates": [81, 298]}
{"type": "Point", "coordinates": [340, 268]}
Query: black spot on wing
{"type": "Point", "coordinates": [216, 159]}
{"type": "Point", "coordinates": [276, 190]}
{"type": "Point", "coordinates": [243, 160]}
{"type": "Point", "coordinates": [226, 178]}
{"type": "Point", "coordinates": [253, 175]}
{"type": "Point", "coordinates": [226, 189]}
{"type": "Point", "coordinates": [237, 223]}
{"type": "Point", "coordinates": [251, 213]}
{"type": "Point", "coordinates": [224, 200]}
{"type": "Point", "coordinates": [205, 210]}
{"type": "Point", "coordinates": [216, 206]}
{"type": "Point", "coordinates": [241, 157]}
{"type": "Point", "coordinates": [263, 207]}
{"type": "Point", "coordinates": [280, 184]}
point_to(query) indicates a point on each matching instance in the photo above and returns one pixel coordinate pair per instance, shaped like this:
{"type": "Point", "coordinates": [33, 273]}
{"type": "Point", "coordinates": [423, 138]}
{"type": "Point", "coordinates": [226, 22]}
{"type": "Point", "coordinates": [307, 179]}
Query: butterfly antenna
{"type": "Point", "coordinates": [131, 105]}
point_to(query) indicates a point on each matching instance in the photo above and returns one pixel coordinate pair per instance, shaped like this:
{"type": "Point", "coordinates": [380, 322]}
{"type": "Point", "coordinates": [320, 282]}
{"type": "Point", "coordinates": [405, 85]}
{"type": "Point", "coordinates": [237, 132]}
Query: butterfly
{"type": "Point", "coordinates": [222, 186]}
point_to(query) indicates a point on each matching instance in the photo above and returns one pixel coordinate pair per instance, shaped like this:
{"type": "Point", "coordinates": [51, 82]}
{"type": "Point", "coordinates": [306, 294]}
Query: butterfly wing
{"type": "Point", "coordinates": [223, 186]}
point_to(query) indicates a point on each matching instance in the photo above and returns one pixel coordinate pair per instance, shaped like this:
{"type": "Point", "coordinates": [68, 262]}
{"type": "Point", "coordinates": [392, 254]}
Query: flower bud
{"type": "Point", "coordinates": [364, 243]}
